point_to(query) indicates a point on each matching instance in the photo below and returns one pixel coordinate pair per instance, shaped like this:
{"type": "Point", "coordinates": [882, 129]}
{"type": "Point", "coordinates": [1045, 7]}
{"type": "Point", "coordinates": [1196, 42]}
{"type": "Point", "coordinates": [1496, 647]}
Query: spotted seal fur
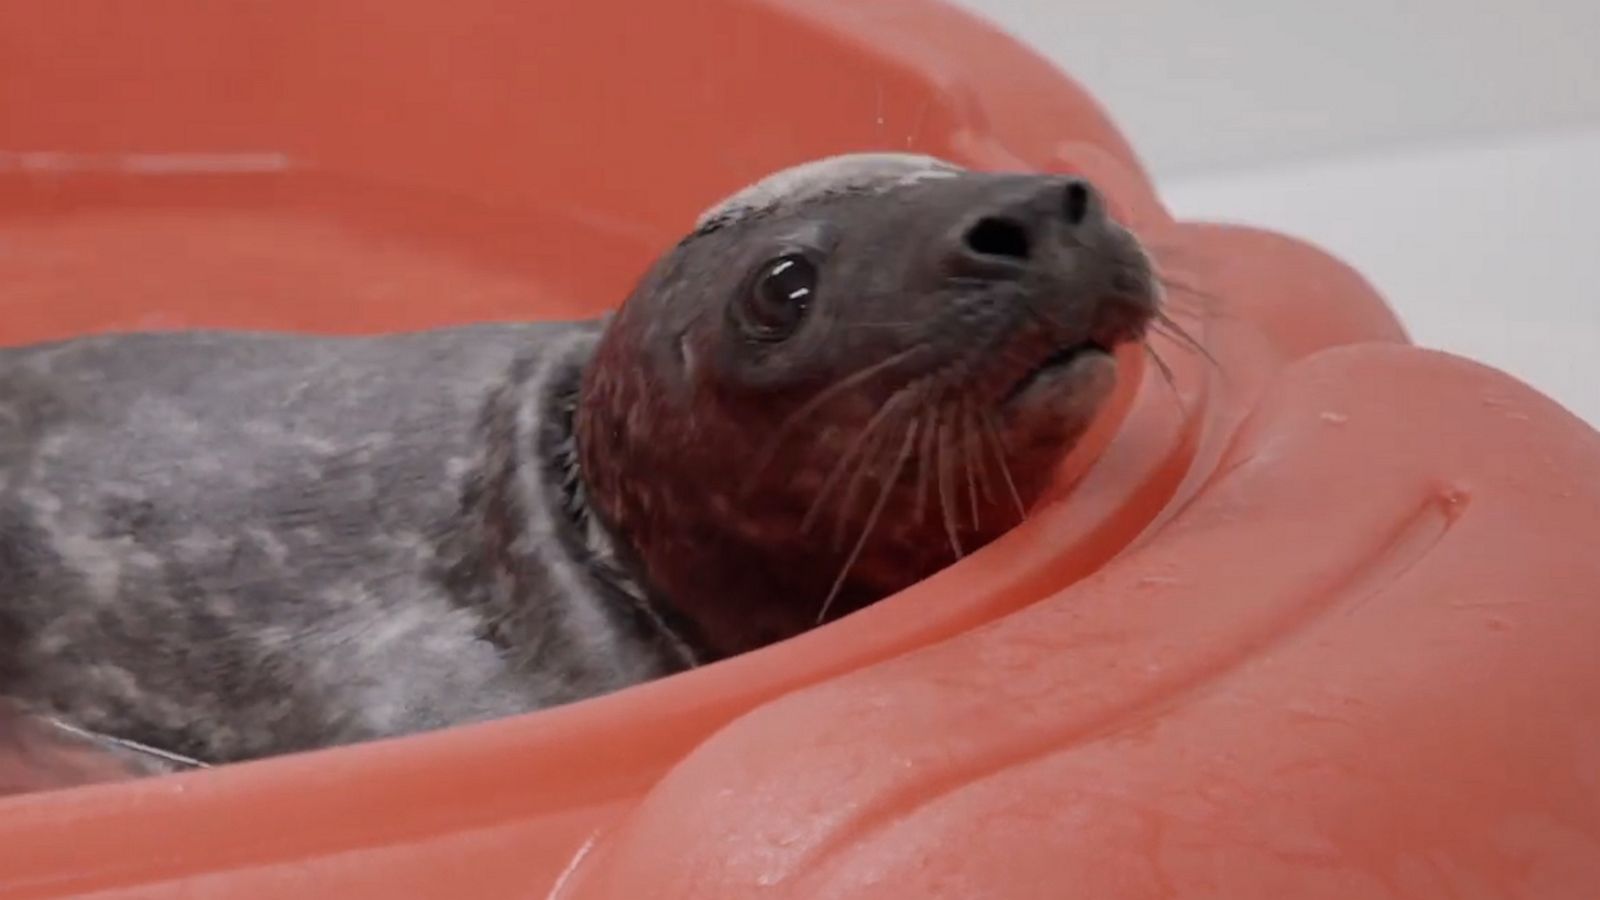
{"type": "Point", "coordinates": [230, 545]}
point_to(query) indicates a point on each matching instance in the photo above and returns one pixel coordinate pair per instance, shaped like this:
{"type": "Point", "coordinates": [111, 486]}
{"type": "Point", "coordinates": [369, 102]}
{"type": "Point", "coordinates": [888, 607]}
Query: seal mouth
{"type": "Point", "coordinates": [1059, 360]}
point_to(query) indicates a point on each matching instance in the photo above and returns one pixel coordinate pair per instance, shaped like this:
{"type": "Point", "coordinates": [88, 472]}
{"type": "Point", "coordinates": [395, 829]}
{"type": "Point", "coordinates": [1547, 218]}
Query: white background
{"type": "Point", "coordinates": [1448, 149]}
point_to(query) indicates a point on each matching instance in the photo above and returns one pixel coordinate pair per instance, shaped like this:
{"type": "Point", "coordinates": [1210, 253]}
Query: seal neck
{"type": "Point", "coordinates": [659, 474]}
{"type": "Point", "coordinates": [590, 542]}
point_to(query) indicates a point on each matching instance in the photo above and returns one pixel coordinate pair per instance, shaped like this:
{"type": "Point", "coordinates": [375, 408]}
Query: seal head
{"type": "Point", "coordinates": [848, 376]}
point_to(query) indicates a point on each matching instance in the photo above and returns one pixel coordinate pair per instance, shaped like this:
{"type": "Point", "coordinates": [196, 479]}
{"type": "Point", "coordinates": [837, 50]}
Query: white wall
{"type": "Point", "coordinates": [1449, 149]}
{"type": "Point", "coordinates": [1208, 85]}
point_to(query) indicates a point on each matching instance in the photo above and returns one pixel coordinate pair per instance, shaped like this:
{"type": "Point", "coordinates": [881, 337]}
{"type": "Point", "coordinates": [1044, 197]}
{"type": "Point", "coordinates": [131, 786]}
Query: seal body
{"type": "Point", "coordinates": [851, 374]}
{"type": "Point", "coordinates": [228, 545]}
{"type": "Point", "coordinates": [232, 545]}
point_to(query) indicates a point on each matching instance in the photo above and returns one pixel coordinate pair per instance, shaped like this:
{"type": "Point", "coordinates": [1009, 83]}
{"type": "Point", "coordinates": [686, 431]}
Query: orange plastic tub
{"type": "Point", "coordinates": [1317, 621]}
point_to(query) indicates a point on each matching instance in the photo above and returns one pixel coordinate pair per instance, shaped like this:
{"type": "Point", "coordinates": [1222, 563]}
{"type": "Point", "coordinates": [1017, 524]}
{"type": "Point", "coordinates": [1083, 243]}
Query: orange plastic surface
{"type": "Point", "coordinates": [1319, 621]}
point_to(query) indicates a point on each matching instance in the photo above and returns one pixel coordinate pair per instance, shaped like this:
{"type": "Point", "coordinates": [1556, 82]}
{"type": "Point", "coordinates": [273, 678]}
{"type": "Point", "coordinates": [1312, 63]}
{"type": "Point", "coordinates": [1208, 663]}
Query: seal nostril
{"type": "Point", "coordinates": [999, 237]}
{"type": "Point", "coordinates": [1077, 202]}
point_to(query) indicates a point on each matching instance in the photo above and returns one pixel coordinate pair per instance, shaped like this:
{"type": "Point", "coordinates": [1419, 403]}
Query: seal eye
{"type": "Point", "coordinates": [782, 293]}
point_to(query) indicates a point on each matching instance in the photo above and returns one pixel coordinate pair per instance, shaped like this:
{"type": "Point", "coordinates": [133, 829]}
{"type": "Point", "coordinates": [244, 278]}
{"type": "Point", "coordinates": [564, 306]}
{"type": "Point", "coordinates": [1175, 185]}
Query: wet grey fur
{"type": "Point", "coordinates": [231, 545]}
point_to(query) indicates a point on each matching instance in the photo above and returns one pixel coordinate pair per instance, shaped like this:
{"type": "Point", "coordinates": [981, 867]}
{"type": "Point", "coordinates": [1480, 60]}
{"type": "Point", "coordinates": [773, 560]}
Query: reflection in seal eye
{"type": "Point", "coordinates": [780, 296]}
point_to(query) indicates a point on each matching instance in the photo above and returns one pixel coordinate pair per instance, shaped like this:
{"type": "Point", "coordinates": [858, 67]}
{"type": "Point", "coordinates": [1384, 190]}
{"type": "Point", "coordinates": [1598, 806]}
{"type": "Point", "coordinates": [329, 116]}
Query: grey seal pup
{"type": "Point", "coordinates": [230, 545]}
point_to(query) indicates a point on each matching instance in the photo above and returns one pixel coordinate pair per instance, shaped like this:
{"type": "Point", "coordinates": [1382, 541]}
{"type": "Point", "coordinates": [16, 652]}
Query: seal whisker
{"type": "Point", "coordinates": [972, 486]}
{"type": "Point", "coordinates": [1209, 301]}
{"type": "Point", "coordinates": [163, 758]}
{"type": "Point", "coordinates": [764, 459]}
{"type": "Point", "coordinates": [877, 323]}
{"type": "Point", "coordinates": [1167, 376]}
{"type": "Point", "coordinates": [926, 456]}
{"type": "Point", "coordinates": [966, 461]}
{"type": "Point", "coordinates": [1167, 325]}
{"type": "Point", "coordinates": [998, 443]}
{"type": "Point", "coordinates": [985, 477]}
{"type": "Point", "coordinates": [872, 518]}
{"type": "Point", "coordinates": [862, 443]}
{"type": "Point", "coordinates": [944, 480]}
{"type": "Point", "coordinates": [858, 479]}
{"type": "Point", "coordinates": [1044, 318]}
{"type": "Point", "coordinates": [1163, 250]}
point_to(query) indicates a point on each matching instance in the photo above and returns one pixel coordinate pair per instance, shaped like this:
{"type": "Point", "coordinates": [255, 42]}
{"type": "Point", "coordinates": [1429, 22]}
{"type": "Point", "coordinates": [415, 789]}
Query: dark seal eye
{"type": "Point", "coordinates": [780, 296]}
